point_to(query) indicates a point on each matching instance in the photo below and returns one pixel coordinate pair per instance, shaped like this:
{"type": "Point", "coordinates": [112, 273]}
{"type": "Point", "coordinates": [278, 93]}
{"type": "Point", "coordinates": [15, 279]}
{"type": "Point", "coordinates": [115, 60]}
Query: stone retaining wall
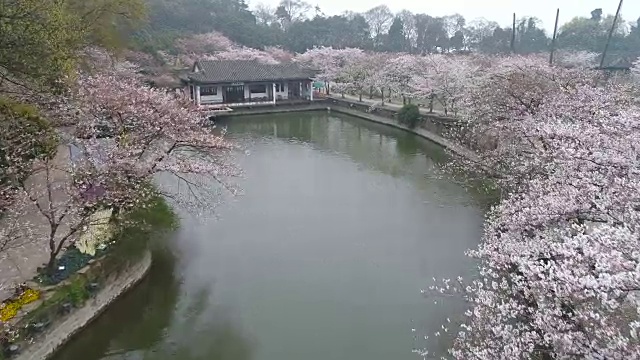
{"type": "Point", "coordinates": [435, 123]}
{"type": "Point", "coordinates": [433, 128]}
{"type": "Point", "coordinates": [424, 133]}
{"type": "Point", "coordinates": [316, 105]}
{"type": "Point", "coordinates": [61, 332]}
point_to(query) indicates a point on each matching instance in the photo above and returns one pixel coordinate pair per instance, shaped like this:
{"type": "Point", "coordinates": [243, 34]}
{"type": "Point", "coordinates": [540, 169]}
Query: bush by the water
{"type": "Point", "coordinates": [409, 115]}
{"type": "Point", "coordinates": [68, 264]}
{"type": "Point", "coordinates": [131, 238]}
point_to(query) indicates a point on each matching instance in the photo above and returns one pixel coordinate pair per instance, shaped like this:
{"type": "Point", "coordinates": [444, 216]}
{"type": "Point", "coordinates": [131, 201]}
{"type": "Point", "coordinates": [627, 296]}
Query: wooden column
{"type": "Point", "coordinates": [198, 95]}
{"type": "Point", "coordinates": [311, 91]}
{"type": "Point", "coordinates": [273, 93]}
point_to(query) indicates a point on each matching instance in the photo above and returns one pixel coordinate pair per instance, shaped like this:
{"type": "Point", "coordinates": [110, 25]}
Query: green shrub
{"type": "Point", "coordinates": [24, 136]}
{"type": "Point", "coordinates": [409, 115]}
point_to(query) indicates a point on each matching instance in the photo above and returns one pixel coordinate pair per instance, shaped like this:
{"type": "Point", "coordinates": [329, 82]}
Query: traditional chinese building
{"type": "Point", "coordinates": [247, 82]}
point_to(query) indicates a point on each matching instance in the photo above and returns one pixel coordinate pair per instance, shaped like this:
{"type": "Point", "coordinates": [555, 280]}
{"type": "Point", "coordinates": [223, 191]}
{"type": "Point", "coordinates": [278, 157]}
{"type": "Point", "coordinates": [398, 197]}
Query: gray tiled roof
{"type": "Point", "coordinates": [228, 71]}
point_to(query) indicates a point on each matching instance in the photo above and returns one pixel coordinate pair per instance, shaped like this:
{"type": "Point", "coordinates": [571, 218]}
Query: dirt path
{"type": "Point", "coordinates": [29, 248]}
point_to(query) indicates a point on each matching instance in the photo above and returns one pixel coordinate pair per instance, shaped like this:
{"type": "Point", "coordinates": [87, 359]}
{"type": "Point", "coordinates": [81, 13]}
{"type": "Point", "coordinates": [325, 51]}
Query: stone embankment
{"type": "Point", "coordinates": [61, 332]}
{"type": "Point", "coordinates": [434, 124]}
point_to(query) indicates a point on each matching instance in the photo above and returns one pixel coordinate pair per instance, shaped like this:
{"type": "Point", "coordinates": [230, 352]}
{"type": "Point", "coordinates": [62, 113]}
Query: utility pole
{"type": "Point", "coordinates": [553, 40]}
{"type": "Point", "coordinates": [613, 26]}
{"type": "Point", "coordinates": [513, 35]}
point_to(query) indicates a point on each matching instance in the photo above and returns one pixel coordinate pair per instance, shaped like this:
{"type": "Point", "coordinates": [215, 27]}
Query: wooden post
{"type": "Point", "coordinates": [273, 92]}
{"type": "Point", "coordinates": [613, 27]}
{"type": "Point", "coordinates": [553, 40]}
{"type": "Point", "coordinates": [513, 35]}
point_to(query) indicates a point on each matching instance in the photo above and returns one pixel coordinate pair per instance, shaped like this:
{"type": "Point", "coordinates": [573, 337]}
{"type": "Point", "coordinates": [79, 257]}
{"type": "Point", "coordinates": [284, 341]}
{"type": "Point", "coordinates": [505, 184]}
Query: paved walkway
{"type": "Point", "coordinates": [378, 102]}
{"type": "Point", "coordinates": [29, 247]}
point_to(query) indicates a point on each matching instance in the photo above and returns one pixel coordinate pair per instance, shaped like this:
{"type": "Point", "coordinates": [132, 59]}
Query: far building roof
{"type": "Point", "coordinates": [230, 71]}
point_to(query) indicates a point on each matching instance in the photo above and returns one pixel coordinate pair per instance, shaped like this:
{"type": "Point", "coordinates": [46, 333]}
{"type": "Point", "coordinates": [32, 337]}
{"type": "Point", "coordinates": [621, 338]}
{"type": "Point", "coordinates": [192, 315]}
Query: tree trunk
{"type": "Point", "coordinates": [327, 88]}
{"type": "Point", "coordinates": [360, 96]}
{"type": "Point", "coordinates": [370, 92]}
{"type": "Point", "coordinates": [51, 265]}
{"type": "Point", "coordinates": [404, 100]}
{"type": "Point", "coordinates": [431, 103]}
{"type": "Point", "coordinates": [52, 251]}
{"type": "Point", "coordinates": [382, 93]}
{"type": "Point", "coordinates": [342, 95]}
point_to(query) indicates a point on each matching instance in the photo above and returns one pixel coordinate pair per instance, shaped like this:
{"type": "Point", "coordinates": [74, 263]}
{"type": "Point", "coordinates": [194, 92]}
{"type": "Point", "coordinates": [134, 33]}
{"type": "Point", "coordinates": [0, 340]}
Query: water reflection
{"type": "Point", "coordinates": [341, 224]}
{"type": "Point", "coordinates": [154, 322]}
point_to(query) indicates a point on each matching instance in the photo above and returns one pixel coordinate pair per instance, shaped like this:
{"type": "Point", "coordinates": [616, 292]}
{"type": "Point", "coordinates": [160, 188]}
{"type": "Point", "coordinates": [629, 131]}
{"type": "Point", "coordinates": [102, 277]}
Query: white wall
{"type": "Point", "coordinates": [283, 93]}
{"type": "Point", "coordinates": [248, 94]}
{"type": "Point", "coordinates": [212, 99]}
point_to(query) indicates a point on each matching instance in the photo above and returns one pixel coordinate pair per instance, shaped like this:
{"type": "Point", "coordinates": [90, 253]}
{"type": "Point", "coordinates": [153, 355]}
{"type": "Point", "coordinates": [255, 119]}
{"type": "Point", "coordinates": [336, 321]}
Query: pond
{"type": "Point", "coordinates": [340, 224]}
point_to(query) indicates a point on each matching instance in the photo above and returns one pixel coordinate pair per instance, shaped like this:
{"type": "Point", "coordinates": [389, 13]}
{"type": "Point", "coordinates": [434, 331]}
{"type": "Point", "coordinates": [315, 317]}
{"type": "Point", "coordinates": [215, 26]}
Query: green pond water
{"type": "Point", "coordinates": [340, 224]}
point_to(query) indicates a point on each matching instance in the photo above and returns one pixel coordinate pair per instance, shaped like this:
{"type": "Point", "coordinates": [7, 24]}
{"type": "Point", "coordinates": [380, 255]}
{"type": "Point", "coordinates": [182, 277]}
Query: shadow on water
{"type": "Point", "coordinates": [143, 322]}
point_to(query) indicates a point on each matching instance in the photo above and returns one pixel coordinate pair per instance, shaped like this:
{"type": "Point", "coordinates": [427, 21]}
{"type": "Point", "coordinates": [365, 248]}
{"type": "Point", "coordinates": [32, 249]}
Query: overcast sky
{"type": "Point", "coordinates": [496, 10]}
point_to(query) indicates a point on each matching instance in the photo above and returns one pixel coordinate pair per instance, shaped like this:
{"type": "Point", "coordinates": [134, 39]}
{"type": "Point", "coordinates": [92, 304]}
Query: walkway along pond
{"type": "Point", "coordinates": [341, 223]}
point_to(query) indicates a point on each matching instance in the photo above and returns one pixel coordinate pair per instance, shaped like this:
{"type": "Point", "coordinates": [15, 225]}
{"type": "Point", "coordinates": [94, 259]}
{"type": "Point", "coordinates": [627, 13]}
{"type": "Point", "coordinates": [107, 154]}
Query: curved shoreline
{"type": "Point", "coordinates": [335, 105]}
{"type": "Point", "coordinates": [423, 133]}
{"type": "Point", "coordinates": [61, 333]}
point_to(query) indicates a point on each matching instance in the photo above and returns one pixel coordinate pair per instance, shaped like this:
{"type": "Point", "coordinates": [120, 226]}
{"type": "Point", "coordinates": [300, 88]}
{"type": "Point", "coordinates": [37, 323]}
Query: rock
{"type": "Point", "coordinates": [13, 349]}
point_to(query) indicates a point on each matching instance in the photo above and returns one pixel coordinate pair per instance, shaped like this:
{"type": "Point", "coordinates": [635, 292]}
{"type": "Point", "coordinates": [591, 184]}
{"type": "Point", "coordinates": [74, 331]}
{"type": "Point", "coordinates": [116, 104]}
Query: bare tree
{"type": "Point", "coordinates": [265, 14]}
{"type": "Point", "coordinates": [379, 19]}
{"type": "Point", "coordinates": [290, 11]}
{"type": "Point", "coordinates": [409, 28]}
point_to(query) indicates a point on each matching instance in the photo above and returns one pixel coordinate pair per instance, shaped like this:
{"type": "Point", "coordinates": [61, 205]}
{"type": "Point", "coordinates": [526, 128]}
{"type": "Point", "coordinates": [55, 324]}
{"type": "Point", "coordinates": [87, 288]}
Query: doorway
{"type": "Point", "coordinates": [294, 90]}
{"type": "Point", "coordinates": [233, 94]}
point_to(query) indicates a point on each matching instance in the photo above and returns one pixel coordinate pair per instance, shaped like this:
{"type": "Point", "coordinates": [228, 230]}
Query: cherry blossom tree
{"type": "Point", "coordinates": [577, 59]}
{"type": "Point", "coordinates": [558, 267]}
{"type": "Point", "coordinates": [215, 46]}
{"type": "Point", "coordinates": [511, 88]}
{"type": "Point", "coordinates": [444, 78]}
{"type": "Point", "coordinates": [49, 195]}
{"type": "Point", "coordinates": [244, 53]}
{"type": "Point", "coordinates": [375, 80]}
{"type": "Point", "coordinates": [330, 63]}
{"type": "Point", "coordinates": [279, 54]}
{"type": "Point", "coordinates": [204, 43]}
{"type": "Point", "coordinates": [399, 73]}
{"type": "Point", "coordinates": [151, 131]}
{"type": "Point", "coordinates": [355, 73]}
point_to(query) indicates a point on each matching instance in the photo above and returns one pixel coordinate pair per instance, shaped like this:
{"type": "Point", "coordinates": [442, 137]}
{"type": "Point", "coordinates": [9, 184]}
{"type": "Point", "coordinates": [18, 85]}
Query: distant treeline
{"type": "Point", "coordinates": [297, 26]}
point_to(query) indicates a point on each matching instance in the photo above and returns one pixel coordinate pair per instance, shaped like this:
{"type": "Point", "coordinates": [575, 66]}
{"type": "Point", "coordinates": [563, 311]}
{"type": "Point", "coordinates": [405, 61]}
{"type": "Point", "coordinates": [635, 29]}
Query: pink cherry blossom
{"type": "Point", "coordinates": [204, 43]}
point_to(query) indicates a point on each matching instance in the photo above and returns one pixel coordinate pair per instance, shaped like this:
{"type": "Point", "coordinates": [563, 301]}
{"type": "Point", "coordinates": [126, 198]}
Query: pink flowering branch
{"type": "Point", "coordinates": [151, 131]}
